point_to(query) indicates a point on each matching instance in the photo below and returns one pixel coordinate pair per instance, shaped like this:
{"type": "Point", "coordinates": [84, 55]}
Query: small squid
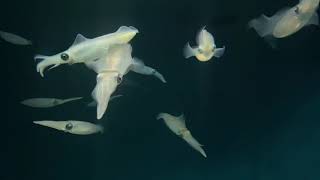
{"type": "Point", "coordinates": [206, 48]}
{"type": "Point", "coordinates": [14, 39]}
{"type": "Point", "coordinates": [47, 102]}
{"type": "Point", "coordinates": [178, 126]}
{"type": "Point", "coordinates": [73, 127]}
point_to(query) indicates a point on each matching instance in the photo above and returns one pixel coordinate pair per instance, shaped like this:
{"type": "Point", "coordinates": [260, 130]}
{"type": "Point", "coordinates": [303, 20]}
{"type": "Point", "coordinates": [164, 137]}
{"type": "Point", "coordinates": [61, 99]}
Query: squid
{"type": "Point", "coordinates": [177, 125]}
{"type": "Point", "coordinates": [73, 127]}
{"type": "Point", "coordinates": [47, 102]}
{"type": "Point", "coordinates": [206, 48]}
{"type": "Point", "coordinates": [287, 21]}
{"type": "Point", "coordinates": [84, 49]}
{"type": "Point", "coordinates": [110, 71]}
{"type": "Point", "coordinates": [14, 39]}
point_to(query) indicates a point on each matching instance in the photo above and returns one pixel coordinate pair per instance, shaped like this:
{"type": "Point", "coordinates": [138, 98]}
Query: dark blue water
{"type": "Point", "coordinates": [256, 109]}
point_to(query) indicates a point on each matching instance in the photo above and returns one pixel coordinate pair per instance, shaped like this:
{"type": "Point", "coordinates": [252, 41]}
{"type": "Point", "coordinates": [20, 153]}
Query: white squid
{"type": "Point", "coordinates": [73, 127]}
{"type": "Point", "coordinates": [14, 39]}
{"type": "Point", "coordinates": [206, 48]}
{"type": "Point", "coordinates": [111, 70]}
{"type": "Point", "coordinates": [287, 21]}
{"type": "Point", "coordinates": [84, 49]}
{"type": "Point", "coordinates": [178, 126]}
{"type": "Point", "coordinates": [47, 102]}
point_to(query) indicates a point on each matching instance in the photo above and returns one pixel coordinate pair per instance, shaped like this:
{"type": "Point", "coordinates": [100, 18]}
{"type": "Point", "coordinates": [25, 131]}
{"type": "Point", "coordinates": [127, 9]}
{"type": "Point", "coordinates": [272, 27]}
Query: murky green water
{"type": "Point", "coordinates": [255, 110]}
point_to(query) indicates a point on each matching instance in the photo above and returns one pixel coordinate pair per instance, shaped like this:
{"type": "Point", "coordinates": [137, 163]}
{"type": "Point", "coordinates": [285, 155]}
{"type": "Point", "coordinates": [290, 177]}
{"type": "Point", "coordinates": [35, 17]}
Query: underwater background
{"type": "Point", "coordinates": [256, 109]}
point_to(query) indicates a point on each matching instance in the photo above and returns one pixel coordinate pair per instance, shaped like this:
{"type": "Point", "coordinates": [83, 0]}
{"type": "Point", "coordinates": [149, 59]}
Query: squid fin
{"type": "Point", "coordinates": [79, 39]}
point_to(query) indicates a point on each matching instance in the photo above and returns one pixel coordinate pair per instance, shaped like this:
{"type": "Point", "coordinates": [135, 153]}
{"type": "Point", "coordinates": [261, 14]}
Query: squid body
{"type": "Point", "coordinates": [111, 69]}
{"type": "Point", "coordinates": [47, 102]}
{"type": "Point", "coordinates": [206, 48]}
{"type": "Point", "coordinates": [73, 127]}
{"type": "Point", "coordinates": [14, 39]}
{"type": "Point", "coordinates": [84, 49]}
{"type": "Point", "coordinates": [94, 103]}
{"type": "Point", "coordinates": [178, 126]}
{"type": "Point", "coordinates": [287, 21]}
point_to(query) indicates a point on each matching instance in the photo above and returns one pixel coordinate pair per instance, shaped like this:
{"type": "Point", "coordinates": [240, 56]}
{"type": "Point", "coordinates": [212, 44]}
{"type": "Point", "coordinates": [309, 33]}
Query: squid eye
{"type": "Point", "coordinates": [200, 50]}
{"type": "Point", "coordinates": [69, 126]}
{"type": "Point", "coordinates": [119, 79]}
{"type": "Point", "coordinates": [297, 10]}
{"type": "Point", "coordinates": [64, 56]}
